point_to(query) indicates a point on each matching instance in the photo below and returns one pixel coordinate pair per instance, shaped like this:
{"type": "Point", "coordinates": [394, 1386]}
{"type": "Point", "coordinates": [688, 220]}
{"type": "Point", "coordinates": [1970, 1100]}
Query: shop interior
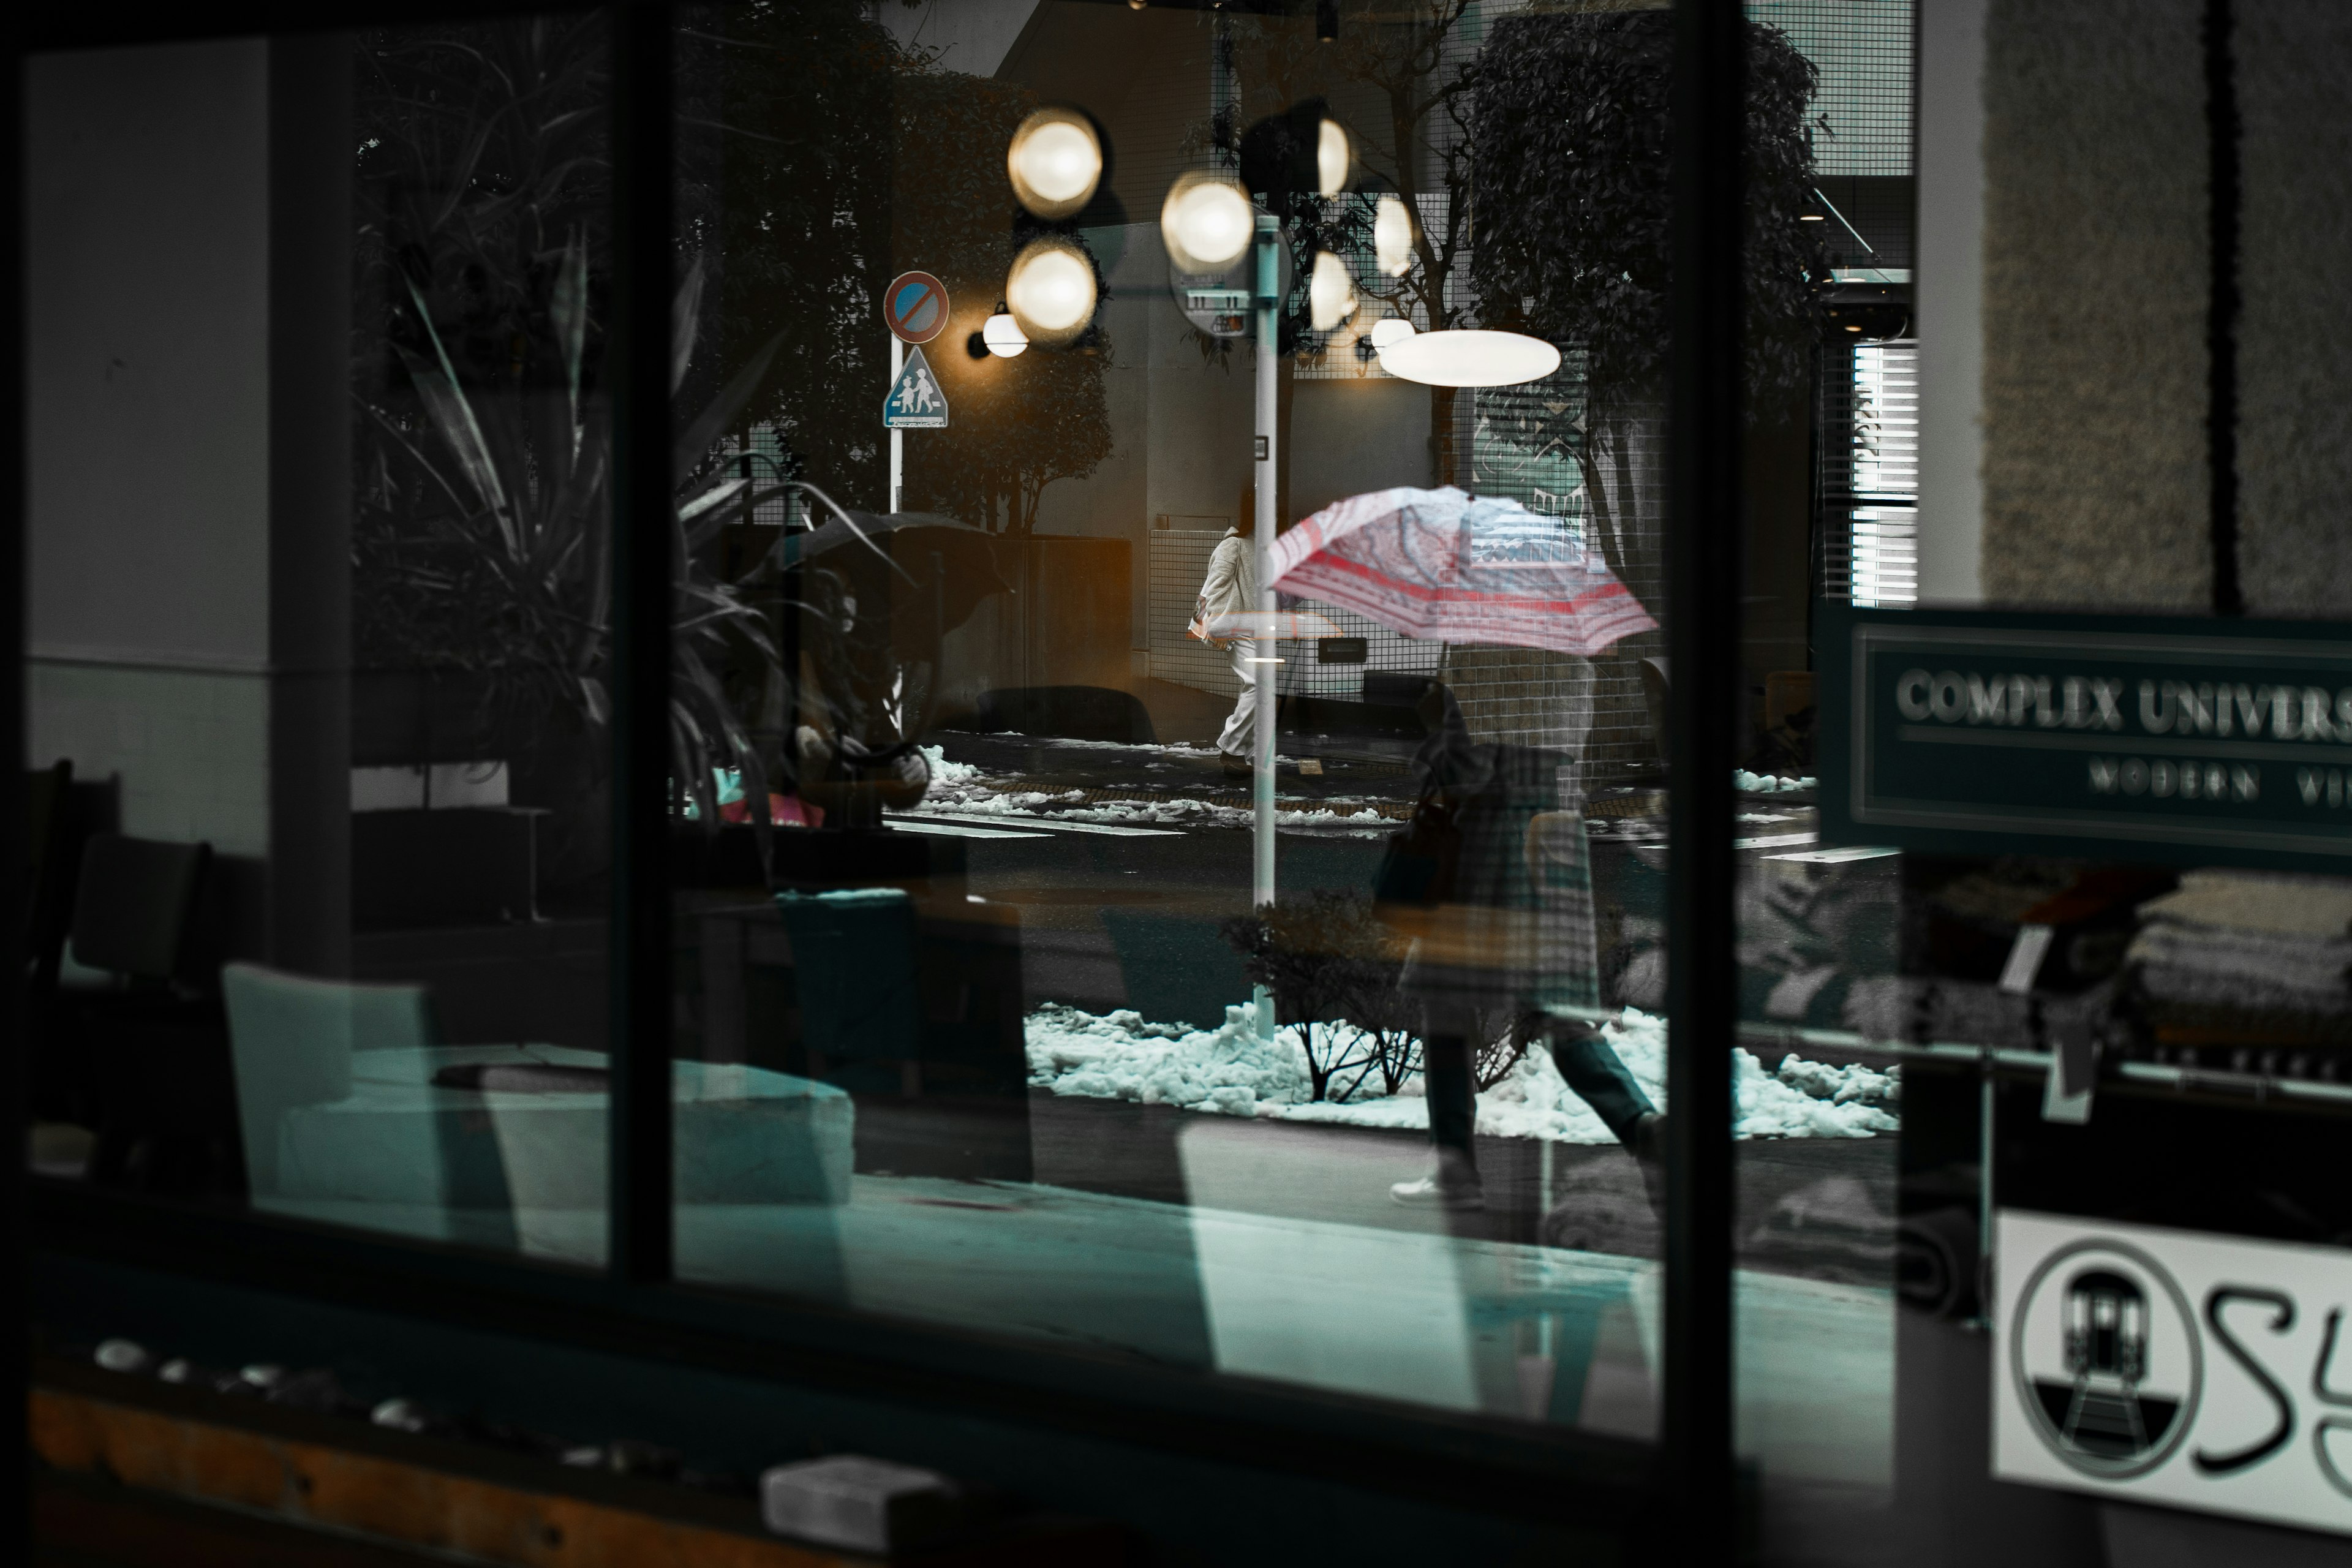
{"type": "Point", "coordinates": [1118, 737]}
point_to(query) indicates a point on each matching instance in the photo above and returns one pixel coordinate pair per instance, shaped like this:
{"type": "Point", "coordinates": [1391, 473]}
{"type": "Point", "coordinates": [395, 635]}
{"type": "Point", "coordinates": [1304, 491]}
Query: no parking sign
{"type": "Point", "coordinates": [915, 307]}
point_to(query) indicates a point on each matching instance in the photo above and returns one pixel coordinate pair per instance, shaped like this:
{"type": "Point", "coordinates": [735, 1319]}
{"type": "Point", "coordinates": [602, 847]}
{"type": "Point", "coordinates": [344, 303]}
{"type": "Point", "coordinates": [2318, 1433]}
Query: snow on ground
{"type": "Point", "coordinates": [1230, 1071]}
{"type": "Point", "coordinates": [956, 790]}
{"type": "Point", "coordinates": [945, 773]}
{"type": "Point", "coordinates": [1766, 783]}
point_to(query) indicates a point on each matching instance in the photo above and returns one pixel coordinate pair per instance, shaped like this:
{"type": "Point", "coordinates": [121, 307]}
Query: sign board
{"type": "Point", "coordinates": [916, 402]}
{"type": "Point", "coordinates": [2168, 1366]}
{"type": "Point", "coordinates": [915, 307]}
{"type": "Point", "coordinates": [2193, 740]}
{"type": "Point", "coordinates": [1224, 304]}
{"type": "Point", "coordinates": [1217, 307]}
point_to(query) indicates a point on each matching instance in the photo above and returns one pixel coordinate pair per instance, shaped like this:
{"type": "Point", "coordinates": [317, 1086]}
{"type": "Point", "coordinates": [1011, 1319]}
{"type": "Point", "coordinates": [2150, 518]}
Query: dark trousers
{"type": "Point", "coordinates": [1587, 1061]}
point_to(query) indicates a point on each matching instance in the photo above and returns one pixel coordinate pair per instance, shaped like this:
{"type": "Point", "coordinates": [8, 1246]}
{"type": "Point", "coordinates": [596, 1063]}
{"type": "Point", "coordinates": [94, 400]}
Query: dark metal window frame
{"type": "Point", "coordinates": [636, 1306]}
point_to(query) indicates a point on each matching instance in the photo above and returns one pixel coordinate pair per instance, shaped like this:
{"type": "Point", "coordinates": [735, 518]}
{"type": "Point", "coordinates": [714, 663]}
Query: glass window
{"type": "Point", "coordinates": [1149, 769]}
{"type": "Point", "coordinates": [317, 655]}
{"type": "Point", "coordinates": [2076, 924]}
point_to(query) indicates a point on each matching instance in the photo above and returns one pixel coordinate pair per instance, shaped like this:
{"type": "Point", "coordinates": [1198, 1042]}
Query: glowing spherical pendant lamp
{"type": "Point", "coordinates": [1206, 223]}
{"type": "Point", "coordinates": [1055, 161]}
{"type": "Point", "coordinates": [1050, 292]}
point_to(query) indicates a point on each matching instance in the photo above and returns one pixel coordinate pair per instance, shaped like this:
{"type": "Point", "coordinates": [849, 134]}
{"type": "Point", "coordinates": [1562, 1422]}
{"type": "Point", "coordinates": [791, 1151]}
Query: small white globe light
{"type": "Point", "coordinates": [1390, 330]}
{"type": "Point", "coordinates": [1331, 158]}
{"type": "Point", "coordinates": [1391, 237]}
{"type": "Point", "coordinates": [1055, 161]}
{"type": "Point", "coordinates": [1050, 292]}
{"type": "Point", "coordinates": [1205, 223]}
{"type": "Point", "coordinates": [1330, 293]}
{"type": "Point", "coordinates": [1004, 336]}
{"type": "Point", "coordinates": [1465, 358]}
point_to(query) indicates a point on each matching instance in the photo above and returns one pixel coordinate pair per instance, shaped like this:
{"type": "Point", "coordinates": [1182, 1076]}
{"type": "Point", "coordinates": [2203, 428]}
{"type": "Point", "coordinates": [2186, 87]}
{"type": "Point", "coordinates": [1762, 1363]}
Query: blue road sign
{"type": "Point", "coordinates": [915, 307]}
{"type": "Point", "coordinates": [916, 402]}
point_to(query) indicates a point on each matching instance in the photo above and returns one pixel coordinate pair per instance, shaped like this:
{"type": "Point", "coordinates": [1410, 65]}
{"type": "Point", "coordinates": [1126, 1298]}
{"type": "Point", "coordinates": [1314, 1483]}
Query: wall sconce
{"type": "Point", "coordinates": [1002, 335]}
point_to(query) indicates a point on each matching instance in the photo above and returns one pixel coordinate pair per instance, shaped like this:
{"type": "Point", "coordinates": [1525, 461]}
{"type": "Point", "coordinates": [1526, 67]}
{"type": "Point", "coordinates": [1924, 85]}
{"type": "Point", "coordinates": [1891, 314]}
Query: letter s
{"type": "Point", "coordinates": [2282, 1320]}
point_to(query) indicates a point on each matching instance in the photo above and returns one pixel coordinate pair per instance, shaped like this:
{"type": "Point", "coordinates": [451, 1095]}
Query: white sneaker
{"type": "Point", "coordinates": [1453, 1186]}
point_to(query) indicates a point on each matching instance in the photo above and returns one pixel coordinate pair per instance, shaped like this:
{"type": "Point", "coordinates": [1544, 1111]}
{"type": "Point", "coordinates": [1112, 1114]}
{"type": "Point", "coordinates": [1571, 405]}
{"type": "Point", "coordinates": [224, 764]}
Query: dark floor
{"type": "Point", "coordinates": [1821, 1208]}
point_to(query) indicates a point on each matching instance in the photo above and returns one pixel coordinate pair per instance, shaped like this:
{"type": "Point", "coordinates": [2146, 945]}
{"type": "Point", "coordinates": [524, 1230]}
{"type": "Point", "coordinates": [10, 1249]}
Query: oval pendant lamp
{"type": "Point", "coordinates": [1470, 357]}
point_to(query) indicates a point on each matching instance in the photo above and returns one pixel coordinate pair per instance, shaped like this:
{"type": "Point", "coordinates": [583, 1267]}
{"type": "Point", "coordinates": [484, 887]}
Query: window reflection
{"type": "Point", "coordinates": [317, 668]}
{"type": "Point", "coordinates": [989, 894]}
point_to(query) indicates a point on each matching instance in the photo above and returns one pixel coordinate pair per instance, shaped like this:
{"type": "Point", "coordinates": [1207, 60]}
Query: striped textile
{"type": "Point", "coordinates": [1440, 565]}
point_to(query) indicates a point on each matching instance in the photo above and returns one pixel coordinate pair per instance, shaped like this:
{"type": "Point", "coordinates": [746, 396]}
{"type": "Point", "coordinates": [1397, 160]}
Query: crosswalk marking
{"type": "Point", "coordinates": [1052, 824]}
{"type": "Point", "coordinates": [958, 830]}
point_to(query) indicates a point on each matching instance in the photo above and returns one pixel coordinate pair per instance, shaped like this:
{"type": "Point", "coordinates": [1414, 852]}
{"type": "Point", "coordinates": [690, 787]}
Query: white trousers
{"type": "Point", "coordinates": [1235, 739]}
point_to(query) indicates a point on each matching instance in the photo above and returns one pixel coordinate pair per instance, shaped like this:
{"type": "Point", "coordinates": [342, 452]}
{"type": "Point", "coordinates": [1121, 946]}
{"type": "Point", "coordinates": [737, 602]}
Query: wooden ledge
{"type": "Point", "coordinates": [349, 1478]}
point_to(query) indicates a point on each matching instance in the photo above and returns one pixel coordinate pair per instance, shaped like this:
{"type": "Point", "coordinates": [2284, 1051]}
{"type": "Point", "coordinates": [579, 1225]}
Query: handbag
{"type": "Point", "coordinates": [1424, 857]}
{"type": "Point", "coordinates": [1422, 862]}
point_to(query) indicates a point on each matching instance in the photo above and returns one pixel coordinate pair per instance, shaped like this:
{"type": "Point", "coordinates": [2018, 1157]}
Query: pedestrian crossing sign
{"type": "Point", "coordinates": [916, 402]}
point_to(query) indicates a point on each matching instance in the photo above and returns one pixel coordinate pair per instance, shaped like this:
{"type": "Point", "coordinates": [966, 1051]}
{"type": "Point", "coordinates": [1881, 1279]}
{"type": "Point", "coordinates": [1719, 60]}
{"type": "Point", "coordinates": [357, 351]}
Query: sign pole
{"type": "Point", "coordinates": [1269, 300]}
{"type": "Point", "coordinates": [898, 437]}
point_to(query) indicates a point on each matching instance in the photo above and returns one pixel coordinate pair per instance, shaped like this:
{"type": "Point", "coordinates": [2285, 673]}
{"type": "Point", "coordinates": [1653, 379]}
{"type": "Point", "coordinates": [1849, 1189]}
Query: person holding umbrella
{"type": "Point", "coordinates": [1230, 589]}
{"type": "Point", "coordinates": [1492, 881]}
{"type": "Point", "coordinates": [1507, 942]}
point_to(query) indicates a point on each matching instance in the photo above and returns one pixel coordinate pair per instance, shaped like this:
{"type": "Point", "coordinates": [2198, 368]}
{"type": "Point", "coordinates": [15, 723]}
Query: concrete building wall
{"type": "Point", "coordinates": [2294, 330]}
{"type": "Point", "coordinates": [2095, 299]}
{"type": "Point", "coordinates": [147, 278]}
{"type": "Point", "coordinates": [969, 35]}
{"type": "Point", "coordinates": [188, 243]}
{"type": "Point", "coordinates": [2096, 489]}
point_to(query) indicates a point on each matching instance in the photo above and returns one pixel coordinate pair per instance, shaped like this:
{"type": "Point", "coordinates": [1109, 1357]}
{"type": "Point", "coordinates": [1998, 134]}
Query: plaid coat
{"type": "Point", "coordinates": [1516, 934]}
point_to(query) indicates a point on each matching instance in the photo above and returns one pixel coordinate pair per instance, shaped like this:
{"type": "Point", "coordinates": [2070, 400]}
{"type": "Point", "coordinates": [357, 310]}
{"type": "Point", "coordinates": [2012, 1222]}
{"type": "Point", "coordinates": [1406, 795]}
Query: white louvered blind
{"type": "Point", "coordinates": [1870, 478]}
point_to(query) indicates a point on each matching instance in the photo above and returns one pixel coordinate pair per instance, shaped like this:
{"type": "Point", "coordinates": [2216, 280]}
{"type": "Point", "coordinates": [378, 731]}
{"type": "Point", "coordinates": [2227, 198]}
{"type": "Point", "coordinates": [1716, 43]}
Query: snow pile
{"type": "Point", "coordinates": [962, 789]}
{"type": "Point", "coordinates": [1179, 811]}
{"type": "Point", "coordinates": [1841, 1086]}
{"type": "Point", "coordinates": [1765, 784]}
{"type": "Point", "coordinates": [945, 773]}
{"type": "Point", "coordinates": [1230, 1071]}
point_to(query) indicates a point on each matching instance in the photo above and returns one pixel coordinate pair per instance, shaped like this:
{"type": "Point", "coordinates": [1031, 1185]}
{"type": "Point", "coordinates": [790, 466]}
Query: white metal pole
{"type": "Point", "coordinates": [898, 437]}
{"type": "Point", "coordinates": [1268, 302]}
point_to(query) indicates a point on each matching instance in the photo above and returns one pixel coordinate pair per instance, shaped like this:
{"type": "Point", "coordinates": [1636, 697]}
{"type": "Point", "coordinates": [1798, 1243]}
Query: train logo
{"type": "Point", "coordinates": [2107, 1359]}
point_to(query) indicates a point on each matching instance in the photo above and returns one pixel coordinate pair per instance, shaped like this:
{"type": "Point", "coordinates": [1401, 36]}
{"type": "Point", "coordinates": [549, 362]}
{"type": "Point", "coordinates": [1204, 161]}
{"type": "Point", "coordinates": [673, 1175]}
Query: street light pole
{"type": "Point", "coordinates": [1269, 302]}
{"type": "Point", "coordinates": [898, 437]}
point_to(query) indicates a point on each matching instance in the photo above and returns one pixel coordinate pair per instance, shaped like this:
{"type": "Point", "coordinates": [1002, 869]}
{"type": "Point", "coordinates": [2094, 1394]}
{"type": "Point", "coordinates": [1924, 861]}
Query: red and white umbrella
{"type": "Point", "coordinates": [1440, 565]}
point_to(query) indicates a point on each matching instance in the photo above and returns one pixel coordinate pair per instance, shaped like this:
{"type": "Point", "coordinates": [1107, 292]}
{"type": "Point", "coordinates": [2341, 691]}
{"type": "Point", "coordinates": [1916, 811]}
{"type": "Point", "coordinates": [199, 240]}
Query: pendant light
{"type": "Point", "coordinates": [1465, 357]}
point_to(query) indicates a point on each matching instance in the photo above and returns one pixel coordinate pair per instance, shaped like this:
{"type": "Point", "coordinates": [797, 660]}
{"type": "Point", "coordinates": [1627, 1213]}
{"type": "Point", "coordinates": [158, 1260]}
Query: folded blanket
{"type": "Point", "coordinates": [2295, 964]}
{"type": "Point", "coordinates": [1968, 1012]}
{"type": "Point", "coordinates": [2163, 982]}
{"type": "Point", "coordinates": [2276, 903]}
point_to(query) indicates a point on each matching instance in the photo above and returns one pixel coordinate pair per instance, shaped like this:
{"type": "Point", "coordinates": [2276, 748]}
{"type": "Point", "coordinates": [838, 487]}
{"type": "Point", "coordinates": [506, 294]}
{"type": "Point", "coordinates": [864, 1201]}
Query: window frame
{"type": "Point", "coordinates": [636, 1306]}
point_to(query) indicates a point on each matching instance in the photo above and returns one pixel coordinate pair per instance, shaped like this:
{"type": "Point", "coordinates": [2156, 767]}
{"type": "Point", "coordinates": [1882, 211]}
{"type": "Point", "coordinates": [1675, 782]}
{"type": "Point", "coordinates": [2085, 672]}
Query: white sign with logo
{"type": "Point", "coordinates": [2201, 1371]}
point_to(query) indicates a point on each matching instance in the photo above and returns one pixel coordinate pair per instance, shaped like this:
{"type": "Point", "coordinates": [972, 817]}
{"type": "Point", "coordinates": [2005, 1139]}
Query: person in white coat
{"type": "Point", "coordinates": [1230, 589]}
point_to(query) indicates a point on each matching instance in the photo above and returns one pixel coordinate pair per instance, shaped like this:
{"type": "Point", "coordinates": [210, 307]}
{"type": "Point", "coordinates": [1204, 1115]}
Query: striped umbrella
{"type": "Point", "coordinates": [1441, 565]}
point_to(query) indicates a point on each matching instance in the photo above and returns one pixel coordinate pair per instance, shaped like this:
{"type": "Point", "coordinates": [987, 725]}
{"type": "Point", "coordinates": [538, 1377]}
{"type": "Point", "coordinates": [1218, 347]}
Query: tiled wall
{"type": "Point", "coordinates": [190, 746]}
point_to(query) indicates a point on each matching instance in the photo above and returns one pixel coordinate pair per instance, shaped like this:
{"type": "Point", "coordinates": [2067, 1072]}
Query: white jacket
{"type": "Point", "coordinates": [1231, 586]}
